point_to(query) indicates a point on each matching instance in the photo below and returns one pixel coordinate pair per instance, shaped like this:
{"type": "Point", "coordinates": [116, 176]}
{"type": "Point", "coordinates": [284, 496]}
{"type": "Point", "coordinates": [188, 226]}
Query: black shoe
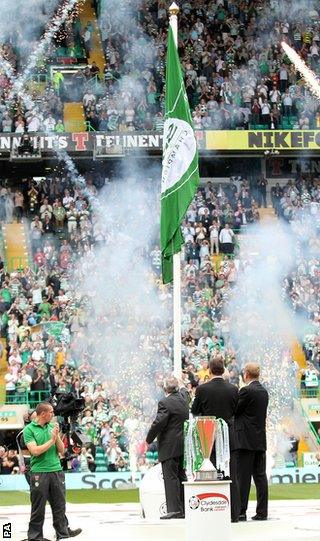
{"type": "Point", "coordinates": [259, 517]}
{"type": "Point", "coordinates": [71, 533]}
{"type": "Point", "coordinates": [242, 518]}
{"type": "Point", "coordinates": [174, 514]}
{"type": "Point", "coordinates": [74, 533]}
{"type": "Point", "coordinates": [234, 520]}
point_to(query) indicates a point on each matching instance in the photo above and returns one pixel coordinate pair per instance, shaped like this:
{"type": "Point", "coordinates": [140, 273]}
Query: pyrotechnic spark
{"type": "Point", "coordinates": [77, 179]}
{"type": "Point", "coordinates": [300, 65]}
{"type": "Point", "coordinates": [61, 17]}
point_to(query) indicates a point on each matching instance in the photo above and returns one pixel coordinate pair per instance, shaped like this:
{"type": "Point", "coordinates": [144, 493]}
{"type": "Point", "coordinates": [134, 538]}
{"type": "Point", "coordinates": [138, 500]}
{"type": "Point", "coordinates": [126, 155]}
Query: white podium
{"type": "Point", "coordinates": [152, 494]}
{"type": "Point", "coordinates": [207, 505]}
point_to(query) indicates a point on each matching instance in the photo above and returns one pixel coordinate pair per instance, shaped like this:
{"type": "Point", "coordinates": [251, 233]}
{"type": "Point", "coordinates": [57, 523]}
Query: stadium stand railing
{"type": "Point", "coordinates": [31, 398]}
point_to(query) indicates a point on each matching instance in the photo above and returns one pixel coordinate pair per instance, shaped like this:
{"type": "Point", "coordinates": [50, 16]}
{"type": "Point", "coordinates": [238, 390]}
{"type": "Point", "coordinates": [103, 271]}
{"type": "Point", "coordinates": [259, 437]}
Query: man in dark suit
{"type": "Point", "coordinates": [219, 398]}
{"type": "Point", "coordinates": [172, 412]}
{"type": "Point", "coordinates": [250, 425]}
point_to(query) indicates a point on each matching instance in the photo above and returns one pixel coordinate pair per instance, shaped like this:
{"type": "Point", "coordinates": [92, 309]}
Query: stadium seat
{"type": "Point", "coordinates": [101, 460]}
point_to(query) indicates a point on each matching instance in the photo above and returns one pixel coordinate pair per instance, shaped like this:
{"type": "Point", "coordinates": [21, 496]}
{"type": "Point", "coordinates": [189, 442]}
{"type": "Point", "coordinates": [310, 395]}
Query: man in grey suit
{"type": "Point", "coordinates": [172, 412]}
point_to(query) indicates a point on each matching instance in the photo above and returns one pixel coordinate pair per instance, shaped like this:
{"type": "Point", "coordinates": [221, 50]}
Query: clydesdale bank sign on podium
{"type": "Point", "coordinates": [207, 492]}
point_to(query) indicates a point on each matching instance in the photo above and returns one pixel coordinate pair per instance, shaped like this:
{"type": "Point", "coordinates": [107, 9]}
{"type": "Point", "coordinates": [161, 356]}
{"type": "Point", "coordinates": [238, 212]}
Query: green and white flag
{"type": "Point", "coordinates": [180, 172]}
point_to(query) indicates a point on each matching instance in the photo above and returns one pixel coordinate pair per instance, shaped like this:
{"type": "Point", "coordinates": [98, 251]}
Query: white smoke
{"type": "Point", "coordinates": [127, 320]}
{"type": "Point", "coordinates": [22, 23]}
{"type": "Point", "coordinates": [135, 48]}
{"type": "Point", "coordinates": [263, 323]}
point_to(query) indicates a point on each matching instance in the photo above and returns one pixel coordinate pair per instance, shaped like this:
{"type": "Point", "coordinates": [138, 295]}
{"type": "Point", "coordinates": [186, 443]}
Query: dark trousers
{"type": "Point", "coordinates": [283, 85]}
{"type": "Point", "coordinates": [287, 110]}
{"type": "Point", "coordinates": [47, 487]}
{"type": "Point", "coordinates": [263, 197]}
{"type": "Point", "coordinates": [227, 247]}
{"type": "Point", "coordinates": [253, 464]}
{"type": "Point", "coordinates": [27, 475]}
{"type": "Point", "coordinates": [173, 476]}
{"type": "Point", "coordinates": [234, 487]}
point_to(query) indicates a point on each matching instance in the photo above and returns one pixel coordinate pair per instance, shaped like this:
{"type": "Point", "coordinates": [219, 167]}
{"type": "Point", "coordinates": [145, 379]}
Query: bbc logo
{"type": "Point", "coordinates": [6, 531]}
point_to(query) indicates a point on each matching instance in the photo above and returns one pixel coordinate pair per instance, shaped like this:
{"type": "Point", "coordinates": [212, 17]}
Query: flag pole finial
{"type": "Point", "coordinates": [174, 9]}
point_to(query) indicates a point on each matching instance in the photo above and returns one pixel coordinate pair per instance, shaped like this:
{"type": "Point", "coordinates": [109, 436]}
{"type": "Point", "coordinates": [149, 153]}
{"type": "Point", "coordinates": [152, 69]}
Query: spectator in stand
{"type": "Point", "coordinates": [36, 228]}
{"type": "Point", "coordinates": [95, 70]}
{"type": "Point", "coordinates": [10, 463]}
{"type": "Point", "coordinates": [2, 457]}
{"type": "Point", "coordinates": [262, 185]}
{"type": "Point", "coordinates": [10, 381]}
{"type": "Point", "coordinates": [49, 123]}
{"type": "Point", "coordinates": [226, 239]}
{"type": "Point", "coordinates": [214, 237]}
{"type": "Point", "coordinates": [86, 461]}
{"type": "Point", "coordinates": [18, 206]}
{"type": "Point", "coordinates": [287, 103]}
{"type": "Point", "coordinates": [113, 453]}
{"type": "Point", "coordinates": [59, 127]}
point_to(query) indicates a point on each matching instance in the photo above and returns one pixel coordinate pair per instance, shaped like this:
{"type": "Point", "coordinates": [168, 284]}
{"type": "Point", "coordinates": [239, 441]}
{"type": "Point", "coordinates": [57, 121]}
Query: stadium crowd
{"type": "Point", "coordinates": [44, 317]}
{"type": "Point", "coordinates": [41, 107]}
{"type": "Point", "coordinates": [235, 77]}
{"type": "Point", "coordinates": [298, 203]}
{"type": "Point", "coordinates": [236, 74]}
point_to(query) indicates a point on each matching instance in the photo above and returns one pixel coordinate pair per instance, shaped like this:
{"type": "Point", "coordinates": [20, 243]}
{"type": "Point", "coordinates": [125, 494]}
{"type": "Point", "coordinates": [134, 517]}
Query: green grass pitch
{"type": "Point", "coordinates": [276, 492]}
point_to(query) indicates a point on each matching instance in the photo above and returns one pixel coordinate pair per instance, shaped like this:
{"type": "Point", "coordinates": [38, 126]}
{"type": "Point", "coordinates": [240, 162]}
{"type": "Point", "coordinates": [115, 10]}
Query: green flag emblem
{"type": "Point", "coordinates": [180, 170]}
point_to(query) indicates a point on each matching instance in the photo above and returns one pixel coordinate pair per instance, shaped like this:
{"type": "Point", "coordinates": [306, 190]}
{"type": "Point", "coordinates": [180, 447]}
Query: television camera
{"type": "Point", "coordinates": [68, 406]}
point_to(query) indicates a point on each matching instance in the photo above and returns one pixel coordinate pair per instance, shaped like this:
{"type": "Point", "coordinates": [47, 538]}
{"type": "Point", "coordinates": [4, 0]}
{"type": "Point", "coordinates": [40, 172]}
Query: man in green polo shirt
{"type": "Point", "coordinates": [47, 481]}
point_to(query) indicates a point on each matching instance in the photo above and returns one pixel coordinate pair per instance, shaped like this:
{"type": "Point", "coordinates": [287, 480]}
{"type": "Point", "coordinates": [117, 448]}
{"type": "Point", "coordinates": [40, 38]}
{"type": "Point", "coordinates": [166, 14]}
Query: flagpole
{"type": "Point", "coordinates": [173, 21]}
